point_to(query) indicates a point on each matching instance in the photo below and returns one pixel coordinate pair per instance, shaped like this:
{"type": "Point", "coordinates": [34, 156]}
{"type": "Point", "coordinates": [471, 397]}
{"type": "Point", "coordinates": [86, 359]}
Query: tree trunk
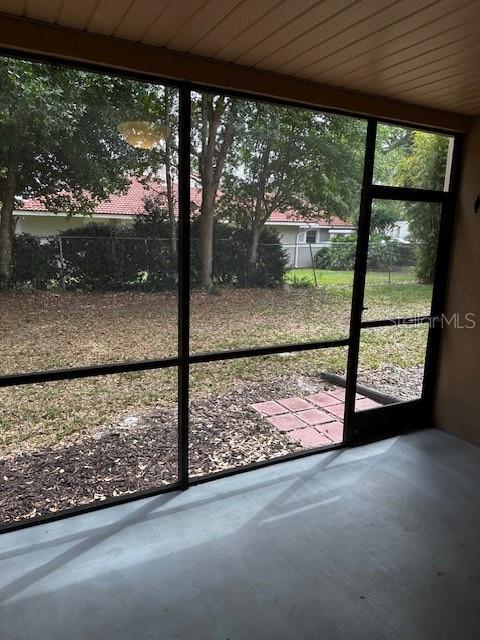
{"type": "Point", "coordinates": [259, 217]}
{"type": "Point", "coordinates": [205, 238]}
{"type": "Point", "coordinates": [170, 203]}
{"type": "Point", "coordinates": [212, 158]}
{"type": "Point", "coordinates": [205, 232]}
{"type": "Point", "coordinates": [253, 253]}
{"type": "Point", "coordinates": [6, 221]}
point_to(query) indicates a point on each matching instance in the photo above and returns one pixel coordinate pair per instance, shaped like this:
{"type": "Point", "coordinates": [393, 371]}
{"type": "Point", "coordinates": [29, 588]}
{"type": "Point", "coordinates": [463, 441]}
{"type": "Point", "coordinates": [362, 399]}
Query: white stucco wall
{"type": "Point", "coordinates": [288, 237]}
{"type": "Point", "coordinates": [286, 233]}
{"type": "Point", "coordinates": [401, 231]}
{"type": "Point", "coordinates": [50, 225]}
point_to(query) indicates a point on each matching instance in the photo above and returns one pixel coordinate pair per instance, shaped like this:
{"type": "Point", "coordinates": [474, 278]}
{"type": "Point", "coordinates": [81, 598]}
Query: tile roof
{"type": "Point", "coordinates": [131, 203]}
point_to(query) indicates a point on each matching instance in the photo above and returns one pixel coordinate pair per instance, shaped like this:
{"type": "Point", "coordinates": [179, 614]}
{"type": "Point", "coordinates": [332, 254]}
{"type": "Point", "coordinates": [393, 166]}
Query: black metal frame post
{"type": "Point", "coordinates": [363, 234]}
{"type": "Point", "coordinates": [185, 358]}
{"type": "Point", "coordinates": [380, 422]}
{"type": "Point", "coordinates": [184, 135]}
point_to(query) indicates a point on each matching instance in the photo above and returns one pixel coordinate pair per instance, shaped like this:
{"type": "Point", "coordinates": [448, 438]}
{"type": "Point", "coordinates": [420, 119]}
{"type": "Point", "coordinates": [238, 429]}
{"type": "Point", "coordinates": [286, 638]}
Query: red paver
{"type": "Point", "coordinates": [334, 430]}
{"type": "Point", "coordinates": [309, 437]}
{"type": "Point", "coordinates": [295, 404]}
{"type": "Point", "coordinates": [366, 403]}
{"type": "Point", "coordinates": [269, 408]}
{"type": "Point", "coordinates": [314, 416]}
{"type": "Point", "coordinates": [286, 422]}
{"type": "Point", "coordinates": [337, 410]}
{"type": "Point", "coordinates": [322, 399]}
{"type": "Point", "coordinates": [340, 394]}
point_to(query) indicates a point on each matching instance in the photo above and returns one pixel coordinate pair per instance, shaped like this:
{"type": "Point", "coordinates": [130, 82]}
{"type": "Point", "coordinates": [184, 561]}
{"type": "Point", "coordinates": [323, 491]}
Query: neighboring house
{"type": "Point", "coordinates": [300, 238]}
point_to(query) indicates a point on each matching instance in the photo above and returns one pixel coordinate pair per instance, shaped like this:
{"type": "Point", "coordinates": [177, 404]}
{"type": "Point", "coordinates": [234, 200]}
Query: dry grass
{"type": "Point", "coordinates": [48, 330]}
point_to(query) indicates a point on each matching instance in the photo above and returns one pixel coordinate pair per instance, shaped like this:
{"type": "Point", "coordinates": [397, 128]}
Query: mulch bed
{"type": "Point", "coordinates": [402, 383]}
{"type": "Point", "coordinates": [140, 451]}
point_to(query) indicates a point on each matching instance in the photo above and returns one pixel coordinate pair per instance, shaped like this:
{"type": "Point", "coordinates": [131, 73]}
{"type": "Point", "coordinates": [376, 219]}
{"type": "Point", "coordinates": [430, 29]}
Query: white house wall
{"type": "Point", "coordinates": [300, 253]}
{"type": "Point", "coordinates": [288, 235]}
{"type": "Point", "coordinates": [44, 226]}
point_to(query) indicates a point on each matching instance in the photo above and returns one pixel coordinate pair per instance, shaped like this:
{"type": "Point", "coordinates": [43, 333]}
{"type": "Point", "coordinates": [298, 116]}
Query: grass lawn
{"type": "Point", "coordinates": [42, 330]}
{"type": "Point", "coordinates": [392, 295]}
{"type": "Point", "coordinates": [326, 277]}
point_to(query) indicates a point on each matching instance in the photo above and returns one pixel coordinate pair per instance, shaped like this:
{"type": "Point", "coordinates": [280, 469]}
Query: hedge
{"type": "Point", "coordinates": [107, 258]}
{"type": "Point", "coordinates": [384, 254]}
{"type": "Point", "coordinates": [34, 262]}
{"type": "Point", "coordinates": [230, 257]}
{"type": "Point", "coordinates": [100, 257]}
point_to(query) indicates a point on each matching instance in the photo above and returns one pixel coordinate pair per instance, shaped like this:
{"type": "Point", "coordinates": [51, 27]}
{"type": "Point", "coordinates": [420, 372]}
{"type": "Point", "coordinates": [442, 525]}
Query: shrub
{"type": "Point", "coordinates": [272, 261]}
{"type": "Point", "coordinates": [406, 254]}
{"type": "Point", "coordinates": [300, 282]}
{"type": "Point", "coordinates": [230, 257]}
{"type": "Point", "coordinates": [384, 254]}
{"type": "Point", "coordinates": [96, 258]}
{"type": "Point", "coordinates": [107, 258]}
{"type": "Point", "coordinates": [101, 257]}
{"type": "Point", "coordinates": [340, 256]}
{"type": "Point", "coordinates": [35, 262]}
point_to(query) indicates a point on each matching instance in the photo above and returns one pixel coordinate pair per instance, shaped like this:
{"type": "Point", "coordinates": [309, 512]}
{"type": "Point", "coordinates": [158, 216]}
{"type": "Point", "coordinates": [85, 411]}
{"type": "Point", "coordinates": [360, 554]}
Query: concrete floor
{"type": "Point", "coordinates": [375, 542]}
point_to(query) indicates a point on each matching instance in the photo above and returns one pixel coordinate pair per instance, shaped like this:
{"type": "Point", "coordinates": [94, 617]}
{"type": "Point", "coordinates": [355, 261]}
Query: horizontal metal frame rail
{"type": "Point", "coordinates": [185, 359]}
{"type": "Point", "coordinates": [73, 373]}
{"type": "Point", "coordinates": [410, 194]}
{"type": "Point", "coordinates": [413, 320]}
{"type": "Point", "coordinates": [50, 375]}
{"type": "Point", "coordinates": [128, 366]}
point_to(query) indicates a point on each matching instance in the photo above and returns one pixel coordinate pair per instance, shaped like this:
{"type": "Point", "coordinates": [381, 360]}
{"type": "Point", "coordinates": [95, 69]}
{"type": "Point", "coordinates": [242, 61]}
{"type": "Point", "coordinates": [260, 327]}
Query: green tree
{"type": "Point", "coordinates": [161, 104]}
{"type": "Point", "coordinates": [60, 140]}
{"type": "Point", "coordinates": [291, 159]}
{"type": "Point", "coordinates": [155, 222]}
{"type": "Point", "coordinates": [392, 145]}
{"type": "Point", "coordinates": [424, 167]}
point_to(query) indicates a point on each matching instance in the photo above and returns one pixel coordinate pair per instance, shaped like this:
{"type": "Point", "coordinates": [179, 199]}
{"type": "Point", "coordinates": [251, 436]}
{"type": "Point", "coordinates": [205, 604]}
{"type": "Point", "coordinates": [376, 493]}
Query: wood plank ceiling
{"type": "Point", "coordinates": [426, 52]}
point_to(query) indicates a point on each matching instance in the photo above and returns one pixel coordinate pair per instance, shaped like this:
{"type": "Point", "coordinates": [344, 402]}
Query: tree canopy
{"type": "Point", "coordinates": [424, 167]}
{"type": "Point", "coordinates": [60, 139]}
{"type": "Point", "coordinates": [61, 142]}
{"type": "Point", "coordinates": [283, 159]}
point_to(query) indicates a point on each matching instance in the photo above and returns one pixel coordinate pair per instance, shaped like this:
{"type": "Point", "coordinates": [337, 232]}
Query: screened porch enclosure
{"type": "Point", "coordinates": [163, 336]}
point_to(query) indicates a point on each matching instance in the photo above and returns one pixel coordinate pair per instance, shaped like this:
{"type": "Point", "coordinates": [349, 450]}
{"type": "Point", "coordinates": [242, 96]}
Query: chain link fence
{"type": "Point", "coordinates": [94, 262]}
{"type": "Point", "coordinates": [121, 263]}
{"type": "Point", "coordinates": [84, 262]}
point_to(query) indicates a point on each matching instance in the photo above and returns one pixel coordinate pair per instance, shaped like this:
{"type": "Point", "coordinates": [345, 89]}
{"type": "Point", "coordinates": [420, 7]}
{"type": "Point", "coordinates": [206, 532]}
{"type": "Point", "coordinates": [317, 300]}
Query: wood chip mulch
{"type": "Point", "coordinates": [140, 452]}
{"type": "Point", "coordinates": [402, 383]}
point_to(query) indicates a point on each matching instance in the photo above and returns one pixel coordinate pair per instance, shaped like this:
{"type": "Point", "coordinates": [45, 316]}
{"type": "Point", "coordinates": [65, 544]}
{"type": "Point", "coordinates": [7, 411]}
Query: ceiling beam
{"type": "Point", "coordinates": [23, 35]}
